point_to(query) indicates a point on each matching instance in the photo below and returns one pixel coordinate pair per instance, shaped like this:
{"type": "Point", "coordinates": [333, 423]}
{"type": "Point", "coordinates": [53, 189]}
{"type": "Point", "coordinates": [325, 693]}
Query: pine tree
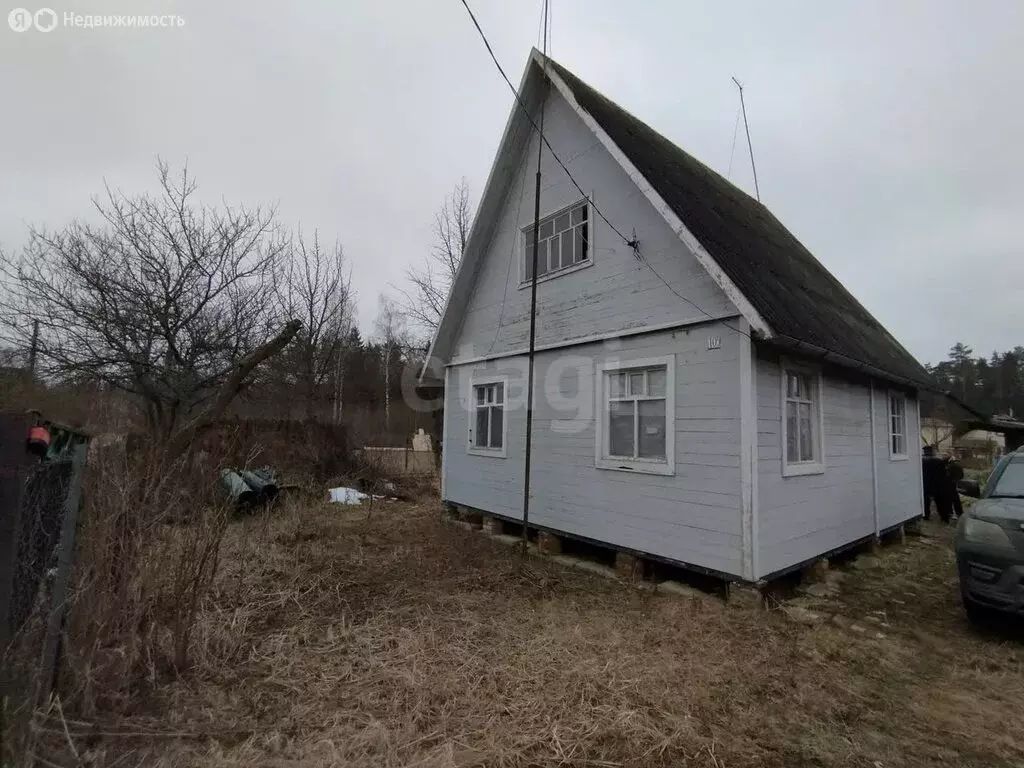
{"type": "Point", "coordinates": [963, 369]}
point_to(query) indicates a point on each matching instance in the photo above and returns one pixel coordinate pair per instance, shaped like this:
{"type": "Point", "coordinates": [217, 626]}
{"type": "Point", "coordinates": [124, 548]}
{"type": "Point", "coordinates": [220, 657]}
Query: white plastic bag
{"type": "Point", "coordinates": [347, 496]}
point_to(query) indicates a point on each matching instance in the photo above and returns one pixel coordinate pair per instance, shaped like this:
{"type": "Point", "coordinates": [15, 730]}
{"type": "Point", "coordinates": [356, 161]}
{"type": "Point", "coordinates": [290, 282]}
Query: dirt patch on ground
{"type": "Point", "coordinates": [338, 638]}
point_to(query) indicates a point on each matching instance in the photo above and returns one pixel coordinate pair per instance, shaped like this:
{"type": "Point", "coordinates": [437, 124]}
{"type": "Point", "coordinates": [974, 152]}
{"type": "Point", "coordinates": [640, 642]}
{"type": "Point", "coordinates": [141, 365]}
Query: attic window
{"type": "Point", "coordinates": [563, 243]}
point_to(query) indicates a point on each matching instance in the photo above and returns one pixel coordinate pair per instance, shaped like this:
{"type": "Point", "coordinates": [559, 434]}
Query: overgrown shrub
{"type": "Point", "coordinates": [148, 548]}
{"type": "Point", "coordinates": [301, 451]}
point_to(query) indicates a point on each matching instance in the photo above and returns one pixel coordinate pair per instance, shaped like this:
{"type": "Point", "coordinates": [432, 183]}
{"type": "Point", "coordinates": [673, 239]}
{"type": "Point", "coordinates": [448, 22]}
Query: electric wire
{"type": "Point", "coordinates": [511, 258]}
{"type": "Point", "coordinates": [533, 123]}
{"type": "Point", "coordinates": [632, 243]}
{"type": "Point", "coordinates": [732, 152]}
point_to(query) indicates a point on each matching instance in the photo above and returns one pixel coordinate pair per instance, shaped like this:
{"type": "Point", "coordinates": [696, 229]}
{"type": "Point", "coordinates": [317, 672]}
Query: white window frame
{"type": "Point", "coordinates": [527, 243]}
{"type": "Point", "coordinates": [895, 455]}
{"type": "Point", "coordinates": [602, 460]}
{"type": "Point", "coordinates": [815, 466]}
{"type": "Point", "coordinates": [497, 453]}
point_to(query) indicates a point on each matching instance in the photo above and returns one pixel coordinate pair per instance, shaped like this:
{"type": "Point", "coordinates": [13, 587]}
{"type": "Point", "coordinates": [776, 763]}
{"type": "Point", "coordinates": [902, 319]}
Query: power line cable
{"type": "Point", "coordinates": [540, 24]}
{"type": "Point", "coordinates": [548, 50]}
{"type": "Point", "coordinates": [533, 123]}
{"type": "Point", "coordinates": [732, 152]}
{"type": "Point", "coordinates": [632, 243]}
{"type": "Point", "coordinates": [511, 258]}
{"type": "Point", "coordinates": [688, 301]}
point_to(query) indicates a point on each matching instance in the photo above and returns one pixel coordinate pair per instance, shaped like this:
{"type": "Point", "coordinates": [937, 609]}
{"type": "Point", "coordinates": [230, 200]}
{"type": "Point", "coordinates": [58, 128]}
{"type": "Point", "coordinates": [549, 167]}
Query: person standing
{"type": "Point", "coordinates": [954, 474]}
{"type": "Point", "coordinates": [933, 474]}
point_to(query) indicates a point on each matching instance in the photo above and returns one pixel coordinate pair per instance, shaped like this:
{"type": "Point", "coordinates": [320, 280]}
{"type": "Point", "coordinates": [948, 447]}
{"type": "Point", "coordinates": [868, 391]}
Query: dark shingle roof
{"type": "Point", "coordinates": [788, 287]}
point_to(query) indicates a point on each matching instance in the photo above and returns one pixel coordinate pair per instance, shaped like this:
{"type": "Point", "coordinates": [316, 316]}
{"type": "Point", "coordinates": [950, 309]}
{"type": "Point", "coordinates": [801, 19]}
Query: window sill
{"type": "Point", "coordinates": [637, 467]}
{"type": "Point", "coordinates": [899, 457]}
{"type": "Point", "coordinates": [810, 468]}
{"type": "Point", "coordinates": [494, 453]}
{"type": "Point", "coordinates": [559, 273]}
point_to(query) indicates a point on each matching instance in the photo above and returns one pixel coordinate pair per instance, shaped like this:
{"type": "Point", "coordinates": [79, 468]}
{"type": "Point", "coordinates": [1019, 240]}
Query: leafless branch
{"type": "Point", "coordinates": [429, 283]}
{"type": "Point", "coordinates": [160, 299]}
{"type": "Point", "coordinates": [315, 288]}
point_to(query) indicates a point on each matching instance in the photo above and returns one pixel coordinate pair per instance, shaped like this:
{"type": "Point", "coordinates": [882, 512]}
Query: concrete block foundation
{"type": "Point", "coordinates": [628, 567]}
{"type": "Point", "coordinates": [549, 543]}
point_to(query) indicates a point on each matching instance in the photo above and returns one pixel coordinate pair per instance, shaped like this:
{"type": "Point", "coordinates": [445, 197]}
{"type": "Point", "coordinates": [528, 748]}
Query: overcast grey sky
{"type": "Point", "coordinates": [887, 135]}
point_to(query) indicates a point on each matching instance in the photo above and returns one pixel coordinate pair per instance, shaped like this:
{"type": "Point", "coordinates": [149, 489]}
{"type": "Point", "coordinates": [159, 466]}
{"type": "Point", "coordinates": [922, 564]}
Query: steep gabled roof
{"type": "Point", "coordinates": [784, 292]}
{"type": "Point", "coordinates": [789, 288]}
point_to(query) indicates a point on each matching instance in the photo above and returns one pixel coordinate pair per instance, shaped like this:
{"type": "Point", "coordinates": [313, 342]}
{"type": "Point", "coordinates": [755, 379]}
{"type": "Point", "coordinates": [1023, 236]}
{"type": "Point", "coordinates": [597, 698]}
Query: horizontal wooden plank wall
{"type": "Point", "coordinates": [899, 497]}
{"type": "Point", "coordinates": [617, 292]}
{"type": "Point", "coordinates": [692, 517]}
{"type": "Point", "coordinates": [802, 517]}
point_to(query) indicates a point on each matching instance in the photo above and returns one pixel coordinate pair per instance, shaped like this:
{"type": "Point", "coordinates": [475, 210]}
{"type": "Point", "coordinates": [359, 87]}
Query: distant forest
{"type": "Point", "coordinates": [992, 385]}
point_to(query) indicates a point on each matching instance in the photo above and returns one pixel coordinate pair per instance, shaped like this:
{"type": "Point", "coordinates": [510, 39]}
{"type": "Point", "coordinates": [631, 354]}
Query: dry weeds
{"type": "Point", "coordinates": [337, 638]}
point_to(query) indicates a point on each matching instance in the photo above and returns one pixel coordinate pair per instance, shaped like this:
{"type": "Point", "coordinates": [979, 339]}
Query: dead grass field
{"type": "Point", "coordinates": [400, 641]}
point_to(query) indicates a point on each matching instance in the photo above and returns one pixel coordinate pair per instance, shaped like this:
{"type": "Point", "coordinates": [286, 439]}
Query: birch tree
{"type": "Point", "coordinates": [430, 282]}
{"type": "Point", "coordinates": [391, 335]}
{"type": "Point", "coordinates": [316, 288]}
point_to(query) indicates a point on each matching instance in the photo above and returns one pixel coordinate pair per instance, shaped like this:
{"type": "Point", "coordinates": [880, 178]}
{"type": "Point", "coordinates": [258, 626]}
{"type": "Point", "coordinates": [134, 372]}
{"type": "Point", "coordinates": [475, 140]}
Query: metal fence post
{"type": "Point", "coordinates": [65, 556]}
{"type": "Point", "coordinates": [14, 462]}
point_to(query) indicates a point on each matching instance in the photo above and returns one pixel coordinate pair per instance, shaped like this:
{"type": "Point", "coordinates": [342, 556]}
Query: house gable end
{"type": "Point", "coordinates": [612, 293]}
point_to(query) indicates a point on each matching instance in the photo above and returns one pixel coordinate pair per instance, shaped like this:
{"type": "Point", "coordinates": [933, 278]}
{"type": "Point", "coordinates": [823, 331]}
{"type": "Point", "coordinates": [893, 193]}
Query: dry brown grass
{"type": "Point", "coordinates": [335, 638]}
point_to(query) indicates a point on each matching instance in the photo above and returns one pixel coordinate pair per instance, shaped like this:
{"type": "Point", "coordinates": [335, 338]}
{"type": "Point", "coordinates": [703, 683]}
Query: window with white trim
{"type": "Point", "coordinates": [897, 426]}
{"type": "Point", "coordinates": [801, 421]}
{"type": "Point", "coordinates": [488, 424]}
{"type": "Point", "coordinates": [636, 427]}
{"type": "Point", "coordinates": [563, 242]}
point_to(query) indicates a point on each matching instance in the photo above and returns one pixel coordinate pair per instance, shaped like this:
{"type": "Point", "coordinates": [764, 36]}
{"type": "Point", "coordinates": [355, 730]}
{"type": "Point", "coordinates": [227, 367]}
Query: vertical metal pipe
{"type": "Point", "coordinates": [874, 460]}
{"type": "Point", "coordinates": [533, 321]}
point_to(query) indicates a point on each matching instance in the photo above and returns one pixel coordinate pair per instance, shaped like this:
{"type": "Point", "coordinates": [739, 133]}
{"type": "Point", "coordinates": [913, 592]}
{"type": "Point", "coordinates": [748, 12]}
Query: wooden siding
{"type": "Point", "coordinates": [692, 517]}
{"type": "Point", "coordinates": [804, 516]}
{"type": "Point", "coordinates": [899, 481]}
{"type": "Point", "coordinates": [617, 292]}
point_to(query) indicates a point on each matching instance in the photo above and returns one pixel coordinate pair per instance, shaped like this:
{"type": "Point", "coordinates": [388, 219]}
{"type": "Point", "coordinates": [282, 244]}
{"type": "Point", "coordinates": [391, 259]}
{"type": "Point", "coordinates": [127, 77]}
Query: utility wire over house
{"type": "Point", "coordinates": [718, 435]}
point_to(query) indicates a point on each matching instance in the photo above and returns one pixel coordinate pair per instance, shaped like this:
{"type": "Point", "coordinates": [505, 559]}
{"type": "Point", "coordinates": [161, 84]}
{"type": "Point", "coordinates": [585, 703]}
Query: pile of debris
{"type": "Point", "coordinates": [249, 488]}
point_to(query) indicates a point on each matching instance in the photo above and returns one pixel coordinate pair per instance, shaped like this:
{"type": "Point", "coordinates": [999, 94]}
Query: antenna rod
{"type": "Point", "coordinates": [750, 147]}
{"type": "Point", "coordinates": [533, 296]}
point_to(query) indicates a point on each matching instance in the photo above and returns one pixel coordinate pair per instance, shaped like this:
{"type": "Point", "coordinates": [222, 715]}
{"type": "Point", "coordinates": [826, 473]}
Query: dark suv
{"type": "Point", "coordinates": [990, 542]}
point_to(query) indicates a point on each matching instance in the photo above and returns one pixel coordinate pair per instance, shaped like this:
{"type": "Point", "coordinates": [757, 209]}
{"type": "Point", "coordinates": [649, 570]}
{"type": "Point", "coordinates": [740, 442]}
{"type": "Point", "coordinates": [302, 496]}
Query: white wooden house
{"type": "Point", "coordinates": [707, 393]}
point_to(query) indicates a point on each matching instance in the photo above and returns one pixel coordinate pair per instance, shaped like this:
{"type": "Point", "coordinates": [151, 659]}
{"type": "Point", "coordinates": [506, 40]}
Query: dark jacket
{"type": "Point", "coordinates": [934, 474]}
{"type": "Point", "coordinates": [954, 472]}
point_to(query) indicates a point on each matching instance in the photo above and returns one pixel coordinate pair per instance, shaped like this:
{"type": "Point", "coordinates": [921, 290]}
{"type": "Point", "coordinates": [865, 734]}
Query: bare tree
{"type": "Point", "coordinates": [392, 335]}
{"type": "Point", "coordinates": [166, 299]}
{"type": "Point", "coordinates": [936, 431]}
{"type": "Point", "coordinates": [316, 289]}
{"type": "Point", "coordinates": [430, 283]}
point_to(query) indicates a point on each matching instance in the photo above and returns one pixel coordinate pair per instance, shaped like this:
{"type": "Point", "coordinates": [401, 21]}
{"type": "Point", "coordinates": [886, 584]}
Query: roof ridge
{"type": "Point", "coordinates": [563, 71]}
{"type": "Point", "coordinates": [787, 285]}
